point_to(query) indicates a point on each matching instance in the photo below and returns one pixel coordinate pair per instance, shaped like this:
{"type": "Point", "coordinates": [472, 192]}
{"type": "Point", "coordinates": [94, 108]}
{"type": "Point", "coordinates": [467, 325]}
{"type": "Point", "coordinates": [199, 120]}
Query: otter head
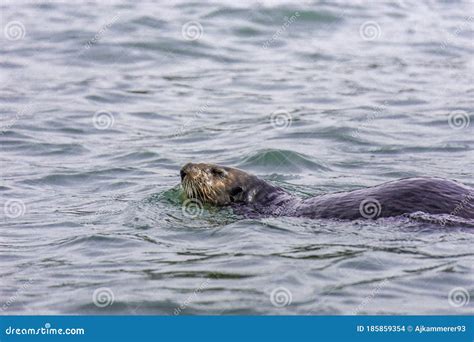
{"type": "Point", "coordinates": [214, 184]}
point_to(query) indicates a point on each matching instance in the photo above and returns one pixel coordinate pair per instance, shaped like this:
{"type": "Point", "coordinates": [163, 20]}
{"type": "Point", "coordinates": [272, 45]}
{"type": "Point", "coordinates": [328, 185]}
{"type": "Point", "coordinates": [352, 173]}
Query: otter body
{"type": "Point", "coordinates": [219, 185]}
{"type": "Point", "coordinates": [405, 196]}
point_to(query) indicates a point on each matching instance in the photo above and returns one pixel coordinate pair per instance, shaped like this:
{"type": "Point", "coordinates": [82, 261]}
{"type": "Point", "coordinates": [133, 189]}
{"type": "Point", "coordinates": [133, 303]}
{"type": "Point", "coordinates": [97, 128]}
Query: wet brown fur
{"type": "Point", "coordinates": [221, 185]}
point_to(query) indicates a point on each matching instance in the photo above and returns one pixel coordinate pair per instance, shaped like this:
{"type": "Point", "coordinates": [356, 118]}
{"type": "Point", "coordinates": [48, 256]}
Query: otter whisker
{"type": "Point", "coordinates": [187, 187]}
{"type": "Point", "coordinates": [196, 189]}
{"type": "Point", "coordinates": [210, 193]}
{"type": "Point", "coordinates": [190, 189]}
{"type": "Point", "coordinates": [201, 191]}
{"type": "Point", "coordinates": [193, 191]}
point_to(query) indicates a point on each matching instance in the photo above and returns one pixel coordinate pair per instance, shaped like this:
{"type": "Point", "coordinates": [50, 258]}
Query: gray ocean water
{"type": "Point", "coordinates": [103, 102]}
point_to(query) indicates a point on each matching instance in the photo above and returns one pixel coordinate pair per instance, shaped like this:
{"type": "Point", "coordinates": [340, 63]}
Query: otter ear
{"type": "Point", "coordinates": [235, 194]}
{"type": "Point", "coordinates": [217, 171]}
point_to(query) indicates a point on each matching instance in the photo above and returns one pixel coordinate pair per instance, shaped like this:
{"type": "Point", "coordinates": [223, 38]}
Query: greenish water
{"type": "Point", "coordinates": [101, 104]}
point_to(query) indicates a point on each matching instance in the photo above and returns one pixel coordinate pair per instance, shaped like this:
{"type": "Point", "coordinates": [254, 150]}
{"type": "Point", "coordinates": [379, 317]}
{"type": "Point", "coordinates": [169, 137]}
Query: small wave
{"type": "Point", "coordinates": [271, 15]}
{"type": "Point", "coordinates": [137, 156]}
{"type": "Point", "coordinates": [247, 31]}
{"type": "Point", "coordinates": [79, 178]}
{"type": "Point", "coordinates": [281, 161]}
{"type": "Point", "coordinates": [148, 21]}
{"type": "Point", "coordinates": [392, 149]}
{"type": "Point", "coordinates": [443, 220]}
{"type": "Point", "coordinates": [43, 149]}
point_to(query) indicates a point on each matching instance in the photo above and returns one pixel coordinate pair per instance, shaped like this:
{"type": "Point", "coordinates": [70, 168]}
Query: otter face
{"type": "Point", "coordinates": [213, 184]}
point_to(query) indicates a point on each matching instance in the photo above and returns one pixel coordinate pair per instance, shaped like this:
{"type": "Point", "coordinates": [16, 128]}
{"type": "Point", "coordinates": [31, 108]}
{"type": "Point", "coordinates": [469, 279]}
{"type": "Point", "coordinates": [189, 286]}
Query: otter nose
{"type": "Point", "coordinates": [185, 170]}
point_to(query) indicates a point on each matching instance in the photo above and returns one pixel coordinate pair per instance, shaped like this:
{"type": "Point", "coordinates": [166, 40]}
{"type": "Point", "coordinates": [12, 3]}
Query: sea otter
{"type": "Point", "coordinates": [221, 185]}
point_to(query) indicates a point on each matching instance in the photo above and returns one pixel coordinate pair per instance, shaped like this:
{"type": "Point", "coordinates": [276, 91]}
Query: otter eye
{"type": "Point", "coordinates": [217, 172]}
